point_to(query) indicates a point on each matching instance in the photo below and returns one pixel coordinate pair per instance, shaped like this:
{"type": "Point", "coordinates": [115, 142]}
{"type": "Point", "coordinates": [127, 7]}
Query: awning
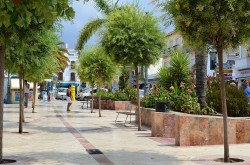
{"type": "Point", "coordinates": [14, 84]}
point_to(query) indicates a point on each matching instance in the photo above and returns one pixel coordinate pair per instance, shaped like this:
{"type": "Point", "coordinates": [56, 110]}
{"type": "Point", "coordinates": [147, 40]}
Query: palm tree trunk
{"type": "Point", "coordinates": [224, 105]}
{"type": "Point", "coordinates": [2, 54]}
{"type": "Point", "coordinates": [100, 101]}
{"type": "Point", "coordinates": [138, 98]}
{"type": "Point", "coordinates": [34, 97]}
{"type": "Point", "coordinates": [201, 76]}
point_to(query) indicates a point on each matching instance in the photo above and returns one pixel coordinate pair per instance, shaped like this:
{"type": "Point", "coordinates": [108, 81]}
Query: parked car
{"type": "Point", "coordinates": [61, 94]}
{"type": "Point", "coordinates": [87, 92]}
{"type": "Point", "coordinates": [141, 93]}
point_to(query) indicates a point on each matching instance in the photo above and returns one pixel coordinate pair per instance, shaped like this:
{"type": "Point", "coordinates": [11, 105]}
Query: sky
{"type": "Point", "coordinates": [86, 12]}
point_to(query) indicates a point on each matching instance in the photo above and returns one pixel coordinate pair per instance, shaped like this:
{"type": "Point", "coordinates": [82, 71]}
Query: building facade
{"type": "Point", "coordinates": [236, 62]}
{"type": "Point", "coordinates": [69, 76]}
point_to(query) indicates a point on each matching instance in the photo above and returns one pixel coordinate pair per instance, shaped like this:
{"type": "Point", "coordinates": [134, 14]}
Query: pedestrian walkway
{"type": "Point", "coordinates": [53, 136]}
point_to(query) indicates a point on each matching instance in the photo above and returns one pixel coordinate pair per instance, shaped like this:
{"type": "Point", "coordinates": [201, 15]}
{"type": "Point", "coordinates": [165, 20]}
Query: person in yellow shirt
{"type": "Point", "coordinates": [68, 97]}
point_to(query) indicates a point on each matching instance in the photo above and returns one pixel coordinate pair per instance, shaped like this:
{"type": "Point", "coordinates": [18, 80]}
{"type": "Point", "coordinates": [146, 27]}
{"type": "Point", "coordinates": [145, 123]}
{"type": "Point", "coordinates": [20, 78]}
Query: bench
{"type": "Point", "coordinates": [86, 101]}
{"type": "Point", "coordinates": [127, 113]}
{"type": "Point", "coordinates": [83, 103]}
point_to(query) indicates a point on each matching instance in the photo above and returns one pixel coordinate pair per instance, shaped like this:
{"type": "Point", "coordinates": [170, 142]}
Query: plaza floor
{"type": "Point", "coordinates": [53, 136]}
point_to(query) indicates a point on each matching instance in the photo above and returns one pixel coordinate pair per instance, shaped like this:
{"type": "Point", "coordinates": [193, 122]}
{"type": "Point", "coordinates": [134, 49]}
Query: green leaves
{"type": "Point", "coordinates": [203, 22]}
{"type": "Point", "coordinates": [24, 12]}
{"type": "Point", "coordinates": [132, 36]}
{"type": "Point", "coordinates": [95, 67]}
{"type": "Point", "coordinates": [177, 72]}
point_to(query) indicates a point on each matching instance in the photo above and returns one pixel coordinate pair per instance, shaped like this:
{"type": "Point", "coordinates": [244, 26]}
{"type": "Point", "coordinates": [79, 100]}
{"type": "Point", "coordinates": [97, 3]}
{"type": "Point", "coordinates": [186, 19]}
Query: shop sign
{"type": "Point", "coordinates": [225, 71]}
{"type": "Point", "coordinates": [17, 96]}
{"type": "Point", "coordinates": [245, 73]}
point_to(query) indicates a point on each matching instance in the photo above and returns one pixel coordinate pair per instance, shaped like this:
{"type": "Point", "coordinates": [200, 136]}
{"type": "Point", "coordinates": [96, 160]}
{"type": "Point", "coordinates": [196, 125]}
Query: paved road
{"type": "Point", "coordinates": [53, 136]}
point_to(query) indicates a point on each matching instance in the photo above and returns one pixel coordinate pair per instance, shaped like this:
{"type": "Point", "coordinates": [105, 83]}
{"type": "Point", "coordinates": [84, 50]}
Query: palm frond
{"type": "Point", "coordinates": [87, 31]}
{"type": "Point", "coordinates": [103, 6]}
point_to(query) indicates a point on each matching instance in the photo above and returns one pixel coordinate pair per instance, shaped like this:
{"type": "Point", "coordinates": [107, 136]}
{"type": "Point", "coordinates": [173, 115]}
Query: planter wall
{"type": "Point", "coordinates": [193, 130]}
{"type": "Point", "coordinates": [112, 105]}
{"type": "Point", "coordinates": [145, 116]}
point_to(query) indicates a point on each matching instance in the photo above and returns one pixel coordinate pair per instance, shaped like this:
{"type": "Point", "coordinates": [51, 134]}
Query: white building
{"type": "Point", "coordinates": [69, 76]}
{"type": "Point", "coordinates": [236, 61]}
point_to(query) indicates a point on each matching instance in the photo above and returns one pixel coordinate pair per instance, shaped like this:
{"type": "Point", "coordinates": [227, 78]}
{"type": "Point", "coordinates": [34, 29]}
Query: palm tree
{"type": "Point", "coordinates": [177, 72]}
{"type": "Point", "coordinates": [92, 27]}
{"type": "Point", "coordinates": [61, 58]}
{"type": "Point", "coordinates": [201, 76]}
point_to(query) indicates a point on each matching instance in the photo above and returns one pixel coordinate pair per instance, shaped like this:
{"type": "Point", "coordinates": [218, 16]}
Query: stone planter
{"type": "Point", "coordinates": [193, 130]}
{"type": "Point", "coordinates": [112, 105]}
{"type": "Point", "coordinates": [145, 116]}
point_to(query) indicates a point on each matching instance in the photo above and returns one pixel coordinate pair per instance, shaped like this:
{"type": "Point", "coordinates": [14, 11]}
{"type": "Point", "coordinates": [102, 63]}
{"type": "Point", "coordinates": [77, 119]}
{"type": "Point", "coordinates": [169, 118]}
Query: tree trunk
{"type": "Point", "coordinates": [100, 101]}
{"type": "Point", "coordinates": [20, 101]}
{"type": "Point", "coordinates": [34, 97]}
{"type": "Point", "coordinates": [92, 100]}
{"type": "Point", "coordinates": [23, 94]}
{"type": "Point", "coordinates": [138, 98]}
{"type": "Point", "coordinates": [201, 76]}
{"type": "Point", "coordinates": [223, 104]}
{"type": "Point", "coordinates": [2, 54]}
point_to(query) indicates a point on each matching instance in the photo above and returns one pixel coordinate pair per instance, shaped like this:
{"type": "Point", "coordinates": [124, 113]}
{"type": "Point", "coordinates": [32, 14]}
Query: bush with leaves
{"type": "Point", "coordinates": [177, 72]}
{"type": "Point", "coordinates": [237, 102]}
{"type": "Point", "coordinates": [120, 95]}
{"type": "Point", "coordinates": [104, 94]}
{"type": "Point", "coordinates": [157, 95]}
{"type": "Point", "coordinates": [130, 92]}
{"type": "Point", "coordinates": [184, 99]}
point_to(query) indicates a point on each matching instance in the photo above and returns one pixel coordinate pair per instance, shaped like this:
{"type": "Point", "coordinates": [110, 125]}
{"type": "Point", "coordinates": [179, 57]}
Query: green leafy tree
{"type": "Point", "coordinates": [222, 24]}
{"type": "Point", "coordinates": [133, 37]}
{"type": "Point", "coordinates": [123, 79]}
{"type": "Point", "coordinates": [31, 47]}
{"type": "Point", "coordinates": [20, 15]}
{"type": "Point", "coordinates": [97, 68]}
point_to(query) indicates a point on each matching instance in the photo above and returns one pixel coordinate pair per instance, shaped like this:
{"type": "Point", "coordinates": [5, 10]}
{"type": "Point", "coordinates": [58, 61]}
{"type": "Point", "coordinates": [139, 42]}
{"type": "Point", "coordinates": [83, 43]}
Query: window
{"type": "Point", "coordinates": [60, 76]}
{"type": "Point", "coordinates": [72, 63]}
{"type": "Point", "coordinates": [72, 76]}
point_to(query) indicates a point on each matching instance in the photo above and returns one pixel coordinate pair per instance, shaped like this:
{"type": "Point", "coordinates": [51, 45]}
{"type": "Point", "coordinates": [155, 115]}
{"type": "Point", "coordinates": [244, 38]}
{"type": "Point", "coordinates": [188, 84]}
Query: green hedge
{"type": "Point", "coordinates": [237, 101]}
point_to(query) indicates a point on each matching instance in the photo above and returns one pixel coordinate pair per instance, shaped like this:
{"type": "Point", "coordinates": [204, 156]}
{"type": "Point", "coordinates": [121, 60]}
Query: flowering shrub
{"type": "Point", "coordinates": [156, 95]}
{"type": "Point", "coordinates": [183, 99]}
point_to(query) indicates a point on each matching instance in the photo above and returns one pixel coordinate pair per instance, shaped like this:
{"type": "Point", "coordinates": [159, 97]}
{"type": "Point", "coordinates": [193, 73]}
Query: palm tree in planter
{"type": "Point", "coordinates": [97, 68]}
{"type": "Point", "coordinates": [133, 37]}
{"type": "Point", "coordinates": [178, 72]}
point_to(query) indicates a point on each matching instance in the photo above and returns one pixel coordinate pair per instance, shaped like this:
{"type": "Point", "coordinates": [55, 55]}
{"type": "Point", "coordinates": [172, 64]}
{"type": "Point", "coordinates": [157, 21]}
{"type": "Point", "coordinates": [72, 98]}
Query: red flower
{"type": "Point", "coordinates": [15, 1]}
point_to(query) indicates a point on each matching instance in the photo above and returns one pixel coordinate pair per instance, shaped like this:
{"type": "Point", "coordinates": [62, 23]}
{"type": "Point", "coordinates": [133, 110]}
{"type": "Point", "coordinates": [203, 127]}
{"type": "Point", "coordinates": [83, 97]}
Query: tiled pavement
{"type": "Point", "coordinates": [56, 137]}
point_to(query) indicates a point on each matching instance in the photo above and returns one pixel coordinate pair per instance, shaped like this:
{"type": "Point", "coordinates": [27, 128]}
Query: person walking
{"type": "Point", "coordinates": [247, 90]}
{"type": "Point", "coordinates": [68, 97]}
{"type": "Point", "coordinates": [26, 93]}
